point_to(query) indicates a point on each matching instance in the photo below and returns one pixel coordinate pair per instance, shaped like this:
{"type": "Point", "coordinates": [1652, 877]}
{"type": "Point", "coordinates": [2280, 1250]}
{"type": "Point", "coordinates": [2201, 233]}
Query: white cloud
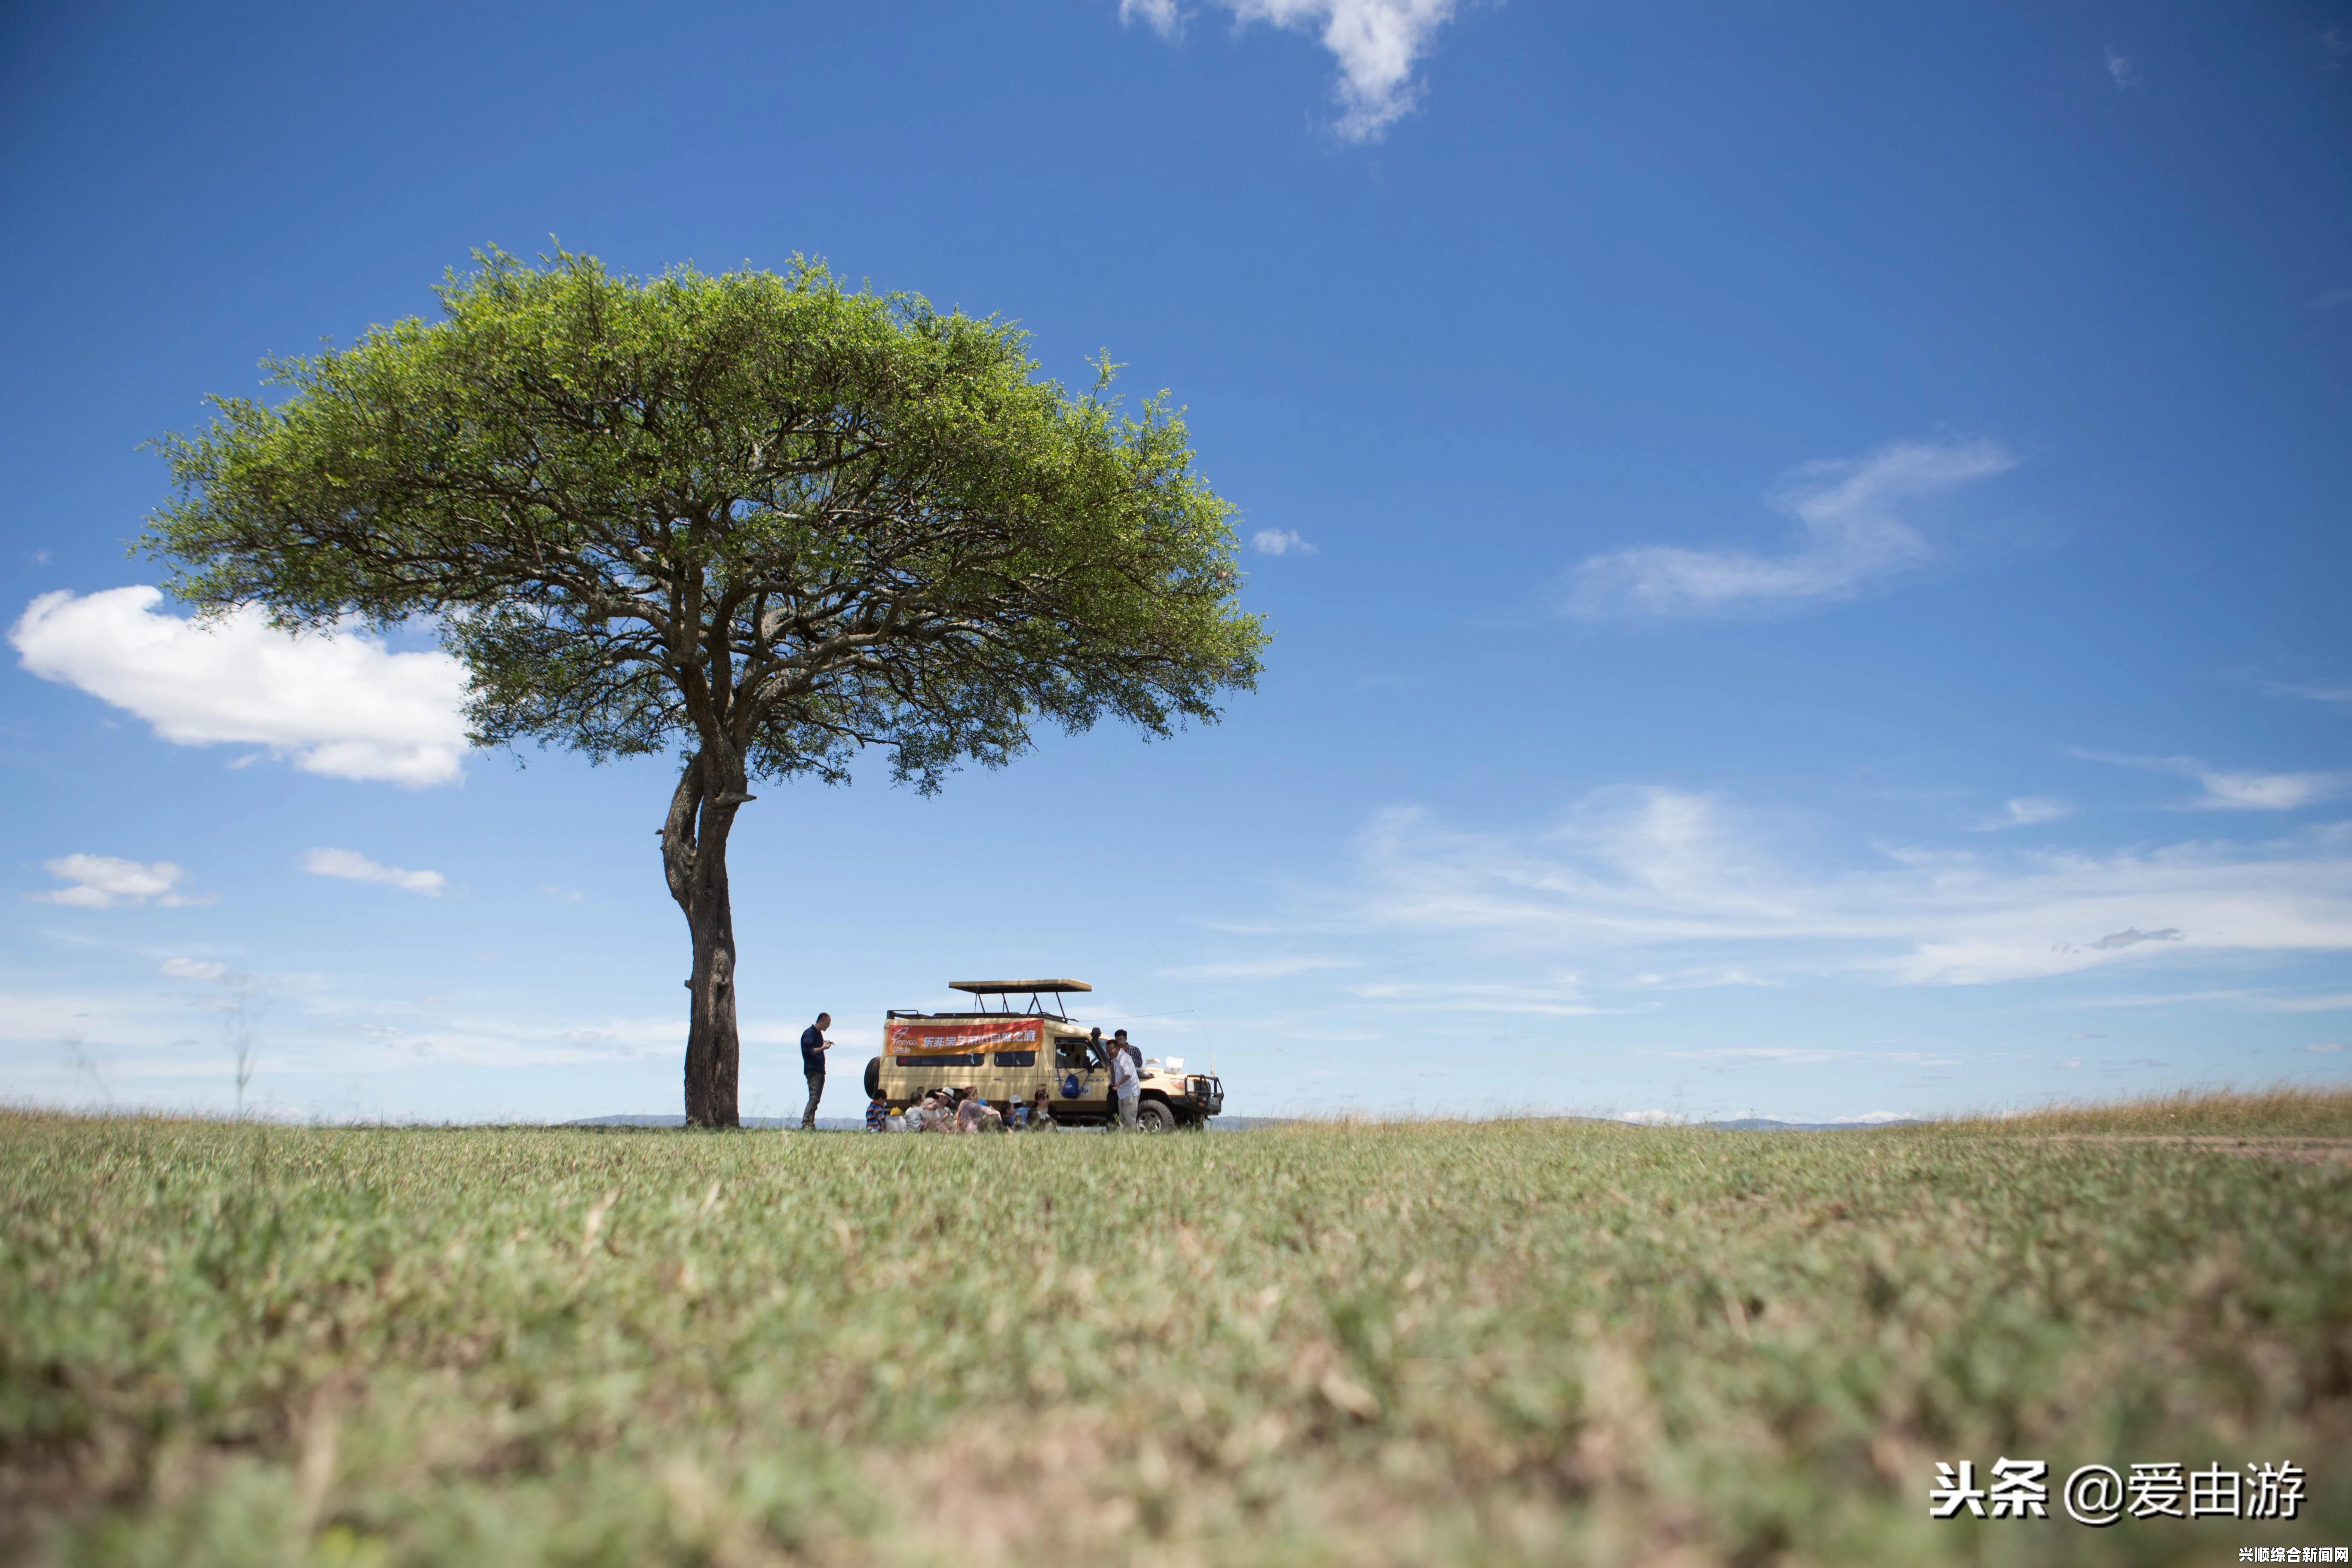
{"type": "Point", "coordinates": [1652, 869]}
{"type": "Point", "coordinates": [2120, 70]}
{"type": "Point", "coordinates": [344, 705]}
{"type": "Point", "coordinates": [1561, 996]}
{"type": "Point", "coordinates": [2132, 936]}
{"type": "Point", "coordinates": [1787, 1056]}
{"type": "Point", "coordinates": [104, 882]}
{"type": "Point", "coordinates": [1376, 44]}
{"type": "Point", "coordinates": [507, 1042]}
{"type": "Point", "coordinates": [2257, 1000]}
{"type": "Point", "coordinates": [1648, 1118]}
{"type": "Point", "coordinates": [2316, 692]}
{"type": "Point", "coordinates": [1855, 537]}
{"type": "Point", "coordinates": [1705, 978]}
{"type": "Point", "coordinates": [1280, 541]}
{"type": "Point", "coordinates": [2266, 792]}
{"type": "Point", "coordinates": [193, 969]}
{"type": "Point", "coordinates": [1160, 15]}
{"type": "Point", "coordinates": [2236, 789]}
{"type": "Point", "coordinates": [2030, 811]}
{"type": "Point", "coordinates": [2334, 1004]}
{"type": "Point", "coordinates": [355, 866]}
{"type": "Point", "coordinates": [1258, 968]}
{"type": "Point", "coordinates": [2324, 1046]}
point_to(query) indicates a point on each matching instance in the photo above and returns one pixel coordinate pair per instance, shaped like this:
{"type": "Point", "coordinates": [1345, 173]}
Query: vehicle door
{"type": "Point", "coordinates": [1077, 1067]}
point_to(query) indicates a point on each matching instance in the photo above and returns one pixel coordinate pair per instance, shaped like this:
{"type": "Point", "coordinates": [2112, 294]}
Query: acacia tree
{"type": "Point", "coordinates": [762, 517]}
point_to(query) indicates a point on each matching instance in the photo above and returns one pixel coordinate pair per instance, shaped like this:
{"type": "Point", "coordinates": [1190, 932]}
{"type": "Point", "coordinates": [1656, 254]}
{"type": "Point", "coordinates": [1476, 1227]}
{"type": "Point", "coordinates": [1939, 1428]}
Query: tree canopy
{"type": "Point", "coordinates": [762, 517]}
{"type": "Point", "coordinates": [755, 508]}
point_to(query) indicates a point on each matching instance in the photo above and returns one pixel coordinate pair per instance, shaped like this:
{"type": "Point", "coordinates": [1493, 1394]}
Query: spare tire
{"type": "Point", "coordinates": [873, 1078]}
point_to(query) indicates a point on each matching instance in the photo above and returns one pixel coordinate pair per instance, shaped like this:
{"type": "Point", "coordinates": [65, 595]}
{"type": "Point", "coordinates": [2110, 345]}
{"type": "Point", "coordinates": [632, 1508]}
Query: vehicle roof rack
{"type": "Point", "coordinates": [1015, 987]}
{"type": "Point", "coordinates": [1033, 989]}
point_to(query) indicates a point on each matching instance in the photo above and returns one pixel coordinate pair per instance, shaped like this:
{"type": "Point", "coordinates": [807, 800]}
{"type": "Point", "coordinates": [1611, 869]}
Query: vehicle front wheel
{"type": "Point", "coordinates": [1153, 1116]}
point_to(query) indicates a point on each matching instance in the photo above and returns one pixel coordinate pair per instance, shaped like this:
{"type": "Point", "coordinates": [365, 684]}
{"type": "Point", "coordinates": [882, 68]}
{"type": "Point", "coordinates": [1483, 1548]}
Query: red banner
{"type": "Point", "coordinates": [960, 1039]}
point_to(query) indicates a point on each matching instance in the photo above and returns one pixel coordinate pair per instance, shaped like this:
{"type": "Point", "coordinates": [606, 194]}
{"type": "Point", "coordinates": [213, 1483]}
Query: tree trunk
{"type": "Point", "coordinates": [694, 858]}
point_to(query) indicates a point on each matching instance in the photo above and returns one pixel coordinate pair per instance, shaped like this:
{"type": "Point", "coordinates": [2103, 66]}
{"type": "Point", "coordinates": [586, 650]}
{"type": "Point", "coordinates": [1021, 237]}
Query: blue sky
{"type": "Point", "coordinates": [1808, 548]}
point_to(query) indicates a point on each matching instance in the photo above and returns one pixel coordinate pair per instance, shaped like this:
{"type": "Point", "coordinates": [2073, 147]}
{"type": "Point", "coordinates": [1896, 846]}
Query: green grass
{"type": "Point", "coordinates": [1531, 1341]}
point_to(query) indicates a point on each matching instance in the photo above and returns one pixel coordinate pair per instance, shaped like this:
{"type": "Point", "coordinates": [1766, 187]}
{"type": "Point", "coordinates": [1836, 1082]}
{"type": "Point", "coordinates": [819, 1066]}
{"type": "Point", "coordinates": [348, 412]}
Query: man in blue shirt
{"type": "Point", "coordinates": [813, 1045]}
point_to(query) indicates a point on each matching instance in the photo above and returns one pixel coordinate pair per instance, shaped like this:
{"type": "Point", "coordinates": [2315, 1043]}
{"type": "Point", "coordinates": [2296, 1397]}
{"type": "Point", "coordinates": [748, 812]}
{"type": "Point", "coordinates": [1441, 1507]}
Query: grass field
{"type": "Point", "coordinates": [1532, 1342]}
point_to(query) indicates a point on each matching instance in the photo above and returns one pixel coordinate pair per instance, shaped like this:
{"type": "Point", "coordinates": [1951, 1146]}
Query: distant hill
{"type": "Point", "coordinates": [1761, 1125]}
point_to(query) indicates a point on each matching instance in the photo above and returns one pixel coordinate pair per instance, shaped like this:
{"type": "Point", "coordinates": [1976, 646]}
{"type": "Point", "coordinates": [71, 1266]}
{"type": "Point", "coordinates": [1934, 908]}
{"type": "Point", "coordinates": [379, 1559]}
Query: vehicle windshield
{"type": "Point", "coordinates": [1074, 1053]}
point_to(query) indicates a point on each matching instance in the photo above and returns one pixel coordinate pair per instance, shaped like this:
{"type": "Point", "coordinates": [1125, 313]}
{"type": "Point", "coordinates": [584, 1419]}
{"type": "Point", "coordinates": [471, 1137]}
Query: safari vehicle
{"type": "Point", "coordinates": [1005, 1056]}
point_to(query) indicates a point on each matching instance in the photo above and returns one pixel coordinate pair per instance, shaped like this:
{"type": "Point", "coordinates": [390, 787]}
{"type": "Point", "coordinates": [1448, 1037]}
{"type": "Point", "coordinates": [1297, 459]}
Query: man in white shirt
{"type": "Point", "coordinates": [1127, 1084]}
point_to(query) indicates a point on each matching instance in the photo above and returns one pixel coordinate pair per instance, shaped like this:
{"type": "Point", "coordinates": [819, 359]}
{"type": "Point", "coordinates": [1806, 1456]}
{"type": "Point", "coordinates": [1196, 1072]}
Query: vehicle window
{"type": "Point", "coordinates": [1070, 1054]}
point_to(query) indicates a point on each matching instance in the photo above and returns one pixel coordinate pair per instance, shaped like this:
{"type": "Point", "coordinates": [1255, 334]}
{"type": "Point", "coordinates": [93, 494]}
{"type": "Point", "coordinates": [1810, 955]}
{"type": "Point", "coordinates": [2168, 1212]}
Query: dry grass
{"type": "Point", "coordinates": [2261, 1113]}
{"type": "Point", "coordinates": [1518, 1343]}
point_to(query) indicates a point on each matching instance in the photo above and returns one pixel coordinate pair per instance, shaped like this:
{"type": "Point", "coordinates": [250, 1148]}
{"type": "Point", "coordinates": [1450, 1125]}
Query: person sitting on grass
{"type": "Point", "coordinates": [974, 1115]}
{"type": "Point", "coordinates": [923, 1112]}
{"type": "Point", "coordinates": [877, 1115]}
{"type": "Point", "coordinates": [1041, 1113]}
